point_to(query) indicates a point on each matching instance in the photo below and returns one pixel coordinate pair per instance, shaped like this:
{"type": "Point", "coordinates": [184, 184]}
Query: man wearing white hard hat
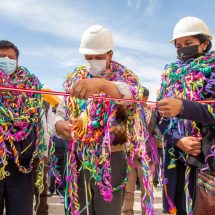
{"type": "Point", "coordinates": [189, 160]}
{"type": "Point", "coordinates": [96, 170]}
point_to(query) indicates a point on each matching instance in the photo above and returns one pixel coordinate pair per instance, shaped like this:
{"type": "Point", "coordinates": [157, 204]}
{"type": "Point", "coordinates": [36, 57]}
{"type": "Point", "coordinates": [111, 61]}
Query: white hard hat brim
{"type": "Point", "coordinates": [189, 34]}
{"type": "Point", "coordinates": [93, 51]}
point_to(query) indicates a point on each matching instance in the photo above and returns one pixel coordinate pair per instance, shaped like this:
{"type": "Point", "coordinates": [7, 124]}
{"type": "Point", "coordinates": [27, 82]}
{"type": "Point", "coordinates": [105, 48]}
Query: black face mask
{"type": "Point", "coordinates": [187, 53]}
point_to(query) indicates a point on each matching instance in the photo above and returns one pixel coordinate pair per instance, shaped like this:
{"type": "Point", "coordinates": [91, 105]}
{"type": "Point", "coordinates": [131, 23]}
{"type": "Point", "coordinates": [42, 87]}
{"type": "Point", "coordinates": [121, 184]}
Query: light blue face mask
{"type": "Point", "coordinates": [7, 65]}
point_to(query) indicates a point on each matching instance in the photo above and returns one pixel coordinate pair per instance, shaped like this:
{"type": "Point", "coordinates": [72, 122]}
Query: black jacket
{"type": "Point", "coordinates": [206, 122]}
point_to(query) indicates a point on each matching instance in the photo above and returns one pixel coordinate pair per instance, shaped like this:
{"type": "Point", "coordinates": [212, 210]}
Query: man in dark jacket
{"type": "Point", "coordinates": [21, 134]}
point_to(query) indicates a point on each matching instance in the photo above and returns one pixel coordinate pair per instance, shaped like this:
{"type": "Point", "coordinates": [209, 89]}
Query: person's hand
{"type": "Point", "coordinates": [78, 126]}
{"type": "Point", "coordinates": [190, 145]}
{"type": "Point", "coordinates": [169, 107]}
{"type": "Point", "coordinates": [64, 129]}
{"type": "Point", "coordinates": [87, 87]}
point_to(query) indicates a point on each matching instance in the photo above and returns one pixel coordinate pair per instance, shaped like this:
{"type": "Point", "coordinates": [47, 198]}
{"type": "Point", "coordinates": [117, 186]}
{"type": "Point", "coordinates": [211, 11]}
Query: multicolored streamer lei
{"type": "Point", "coordinates": [93, 150]}
{"type": "Point", "coordinates": [20, 115]}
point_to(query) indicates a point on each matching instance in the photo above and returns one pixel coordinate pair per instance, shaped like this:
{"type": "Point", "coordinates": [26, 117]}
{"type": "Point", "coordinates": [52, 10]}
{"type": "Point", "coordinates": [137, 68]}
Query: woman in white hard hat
{"type": "Point", "coordinates": [191, 136]}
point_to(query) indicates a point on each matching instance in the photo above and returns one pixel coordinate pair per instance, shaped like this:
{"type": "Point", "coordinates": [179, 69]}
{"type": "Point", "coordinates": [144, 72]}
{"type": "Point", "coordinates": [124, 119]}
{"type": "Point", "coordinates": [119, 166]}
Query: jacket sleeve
{"type": "Point", "coordinates": [201, 113]}
{"type": "Point", "coordinates": [171, 135]}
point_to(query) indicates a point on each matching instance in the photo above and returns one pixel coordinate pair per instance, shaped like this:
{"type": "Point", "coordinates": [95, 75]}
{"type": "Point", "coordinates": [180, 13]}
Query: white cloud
{"type": "Point", "coordinates": [56, 18]}
{"type": "Point", "coordinates": [64, 57]}
{"type": "Point", "coordinates": [136, 4]}
{"type": "Point", "coordinates": [51, 17]}
{"type": "Point", "coordinates": [150, 8]}
{"type": "Point", "coordinates": [138, 43]}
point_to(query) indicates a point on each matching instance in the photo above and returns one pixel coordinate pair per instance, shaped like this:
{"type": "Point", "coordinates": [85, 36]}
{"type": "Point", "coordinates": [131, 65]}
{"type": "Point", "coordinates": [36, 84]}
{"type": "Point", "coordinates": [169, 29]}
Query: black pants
{"type": "Point", "coordinates": [60, 167]}
{"type": "Point", "coordinates": [97, 205]}
{"type": "Point", "coordinates": [175, 187]}
{"type": "Point", "coordinates": [180, 195]}
{"type": "Point", "coordinates": [41, 206]}
{"type": "Point", "coordinates": [16, 191]}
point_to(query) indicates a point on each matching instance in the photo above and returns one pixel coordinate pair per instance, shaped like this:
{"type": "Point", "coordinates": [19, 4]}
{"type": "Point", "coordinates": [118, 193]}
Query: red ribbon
{"type": "Point", "coordinates": [150, 103]}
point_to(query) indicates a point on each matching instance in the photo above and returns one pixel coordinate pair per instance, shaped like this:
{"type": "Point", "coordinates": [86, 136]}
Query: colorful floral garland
{"type": "Point", "coordinates": [20, 114]}
{"type": "Point", "coordinates": [94, 148]}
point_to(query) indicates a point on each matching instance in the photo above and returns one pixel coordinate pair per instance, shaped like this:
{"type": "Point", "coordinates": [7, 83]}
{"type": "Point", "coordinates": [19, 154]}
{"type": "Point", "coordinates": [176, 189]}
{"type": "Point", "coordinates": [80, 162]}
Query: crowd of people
{"type": "Point", "coordinates": [93, 146]}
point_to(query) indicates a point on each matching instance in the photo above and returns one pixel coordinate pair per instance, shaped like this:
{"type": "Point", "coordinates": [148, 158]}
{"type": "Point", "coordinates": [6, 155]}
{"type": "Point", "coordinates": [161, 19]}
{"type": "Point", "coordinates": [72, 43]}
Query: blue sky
{"type": "Point", "coordinates": [48, 33]}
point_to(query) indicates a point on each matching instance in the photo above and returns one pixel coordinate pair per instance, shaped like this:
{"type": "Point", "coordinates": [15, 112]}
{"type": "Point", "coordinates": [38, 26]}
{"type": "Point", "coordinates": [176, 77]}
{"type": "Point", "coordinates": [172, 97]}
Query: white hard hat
{"type": "Point", "coordinates": [96, 40]}
{"type": "Point", "coordinates": [189, 26]}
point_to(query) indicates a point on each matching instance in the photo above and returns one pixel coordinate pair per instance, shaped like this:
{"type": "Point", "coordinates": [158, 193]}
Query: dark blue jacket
{"type": "Point", "coordinates": [206, 122]}
{"type": "Point", "coordinates": [204, 115]}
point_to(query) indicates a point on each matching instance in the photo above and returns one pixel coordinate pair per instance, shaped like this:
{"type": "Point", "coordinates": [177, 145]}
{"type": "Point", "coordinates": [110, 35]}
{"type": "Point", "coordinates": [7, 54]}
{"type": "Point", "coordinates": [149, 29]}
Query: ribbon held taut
{"type": "Point", "coordinates": [151, 103]}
